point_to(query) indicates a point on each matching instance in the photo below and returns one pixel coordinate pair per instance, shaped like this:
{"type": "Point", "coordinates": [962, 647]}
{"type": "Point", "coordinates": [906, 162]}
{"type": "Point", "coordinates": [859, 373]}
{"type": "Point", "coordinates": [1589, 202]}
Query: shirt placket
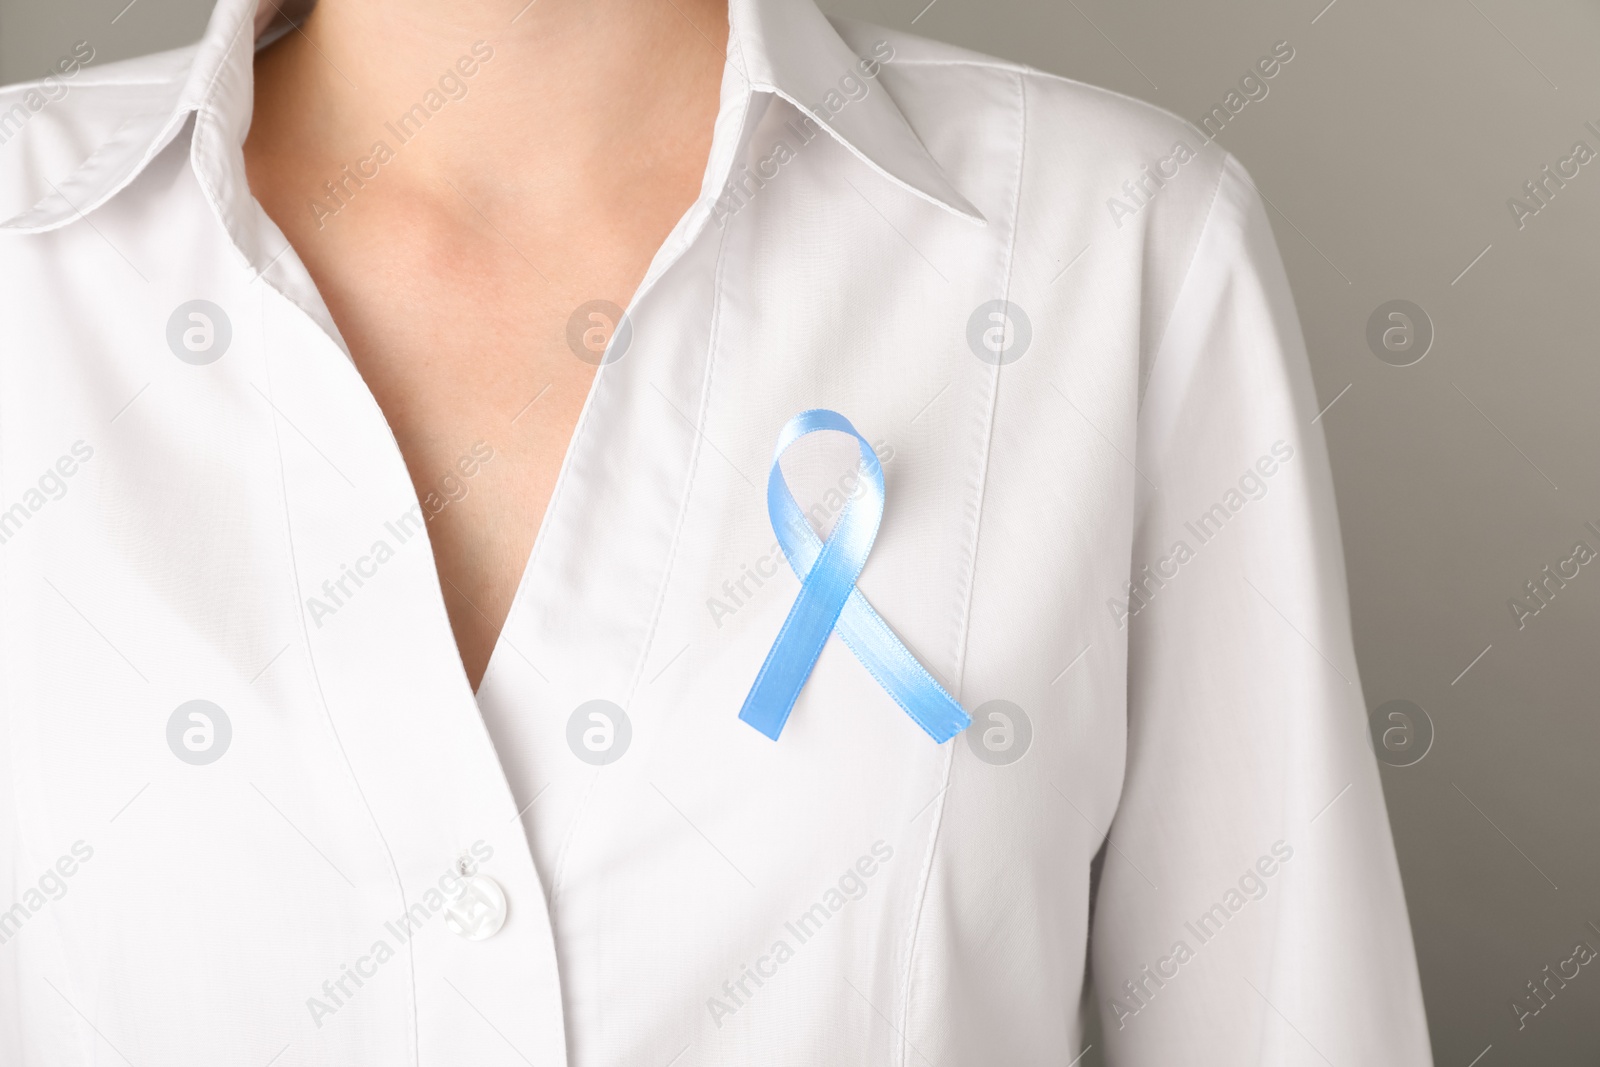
{"type": "Point", "coordinates": [442, 784]}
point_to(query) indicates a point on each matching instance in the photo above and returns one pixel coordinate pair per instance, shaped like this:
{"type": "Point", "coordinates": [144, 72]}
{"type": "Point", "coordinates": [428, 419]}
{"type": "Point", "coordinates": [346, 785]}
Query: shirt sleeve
{"type": "Point", "coordinates": [1249, 909]}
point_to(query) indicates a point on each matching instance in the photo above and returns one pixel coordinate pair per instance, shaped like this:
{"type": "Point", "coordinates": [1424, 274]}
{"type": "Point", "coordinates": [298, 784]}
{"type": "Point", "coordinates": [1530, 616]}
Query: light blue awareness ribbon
{"type": "Point", "coordinates": [829, 601]}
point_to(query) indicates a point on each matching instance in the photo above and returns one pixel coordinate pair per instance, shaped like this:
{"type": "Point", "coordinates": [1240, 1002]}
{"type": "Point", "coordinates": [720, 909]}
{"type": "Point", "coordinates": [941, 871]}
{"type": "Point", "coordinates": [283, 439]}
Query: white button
{"type": "Point", "coordinates": [478, 911]}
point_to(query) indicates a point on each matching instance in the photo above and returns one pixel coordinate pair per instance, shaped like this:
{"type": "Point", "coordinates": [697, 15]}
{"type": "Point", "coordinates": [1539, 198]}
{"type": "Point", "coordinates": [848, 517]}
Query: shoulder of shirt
{"type": "Point", "coordinates": [96, 92]}
{"type": "Point", "coordinates": [1068, 166]}
{"type": "Point", "coordinates": [1058, 110]}
{"type": "Point", "coordinates": [51, 126]}
{"type": "Point", "coordinates": [1078, 145]}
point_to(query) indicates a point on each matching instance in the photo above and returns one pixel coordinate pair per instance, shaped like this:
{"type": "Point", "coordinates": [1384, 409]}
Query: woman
{"type": "Point", "coordinates": [388, 610]}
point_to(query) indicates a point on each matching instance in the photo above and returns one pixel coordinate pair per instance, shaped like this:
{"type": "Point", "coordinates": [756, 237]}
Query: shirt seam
{"type": "Point", "coordinates": [987, 64]}
{"type": "Point", "coordinates": [1188, 273]}
{"type": "Point", "coordinates": [22, 88]}
{"type": "Point", "coordinates": [926, 874]}
{"type": "Point", "coordinates": [559, 873]}
{"type": "Point", "coordinates": [206, 111]}
{"type": "Point", "coordinates": [322, 699]}
{"type": "Point", "coordinates": [1034, 73]}
{"type": "Point", "coordinates": [694, 463]}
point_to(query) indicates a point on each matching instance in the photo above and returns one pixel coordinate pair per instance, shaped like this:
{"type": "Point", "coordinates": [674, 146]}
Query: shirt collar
{"type": "Point", "coordinates": [789, 48]}
{"type": "Point", "coordinates": [784, 47]}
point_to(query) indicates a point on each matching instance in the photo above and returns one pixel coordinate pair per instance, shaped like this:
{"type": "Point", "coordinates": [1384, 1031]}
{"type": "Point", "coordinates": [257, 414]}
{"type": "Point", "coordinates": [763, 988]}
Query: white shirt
{"type": "Point", "coordinates": [202, 502]}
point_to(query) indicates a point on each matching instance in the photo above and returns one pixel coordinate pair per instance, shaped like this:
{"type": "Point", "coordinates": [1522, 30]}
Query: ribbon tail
{"type": "Point", "coordinates": [900, 673]}
{"type": "Point", "coordinates": [799, 642]}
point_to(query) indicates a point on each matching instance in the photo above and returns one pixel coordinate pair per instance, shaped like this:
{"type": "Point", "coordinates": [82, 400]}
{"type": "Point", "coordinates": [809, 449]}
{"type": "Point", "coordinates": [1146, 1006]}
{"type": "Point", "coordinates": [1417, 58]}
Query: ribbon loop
{"type": "Point", "coordinates": [829, 601]}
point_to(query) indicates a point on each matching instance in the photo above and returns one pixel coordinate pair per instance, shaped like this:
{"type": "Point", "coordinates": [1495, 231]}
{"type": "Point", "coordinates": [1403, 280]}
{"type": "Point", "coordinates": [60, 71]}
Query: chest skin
{"type": "Point", "coordinates": [475, 304]}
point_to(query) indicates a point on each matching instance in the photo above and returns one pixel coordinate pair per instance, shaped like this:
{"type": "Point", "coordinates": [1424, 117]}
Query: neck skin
{"type": "Point", "coordinates": [551, 152]}
{"type": "Point", "coordinates": [580, 102]}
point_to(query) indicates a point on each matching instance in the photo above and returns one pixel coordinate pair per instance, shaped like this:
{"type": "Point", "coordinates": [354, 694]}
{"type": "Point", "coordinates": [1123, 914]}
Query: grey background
{"type": "Point", "coordinates": [1388, 149]}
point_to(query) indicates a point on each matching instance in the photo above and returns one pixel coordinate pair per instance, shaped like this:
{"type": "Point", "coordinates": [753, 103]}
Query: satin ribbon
{"type": "Point", "coordinates": [829, 601]}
